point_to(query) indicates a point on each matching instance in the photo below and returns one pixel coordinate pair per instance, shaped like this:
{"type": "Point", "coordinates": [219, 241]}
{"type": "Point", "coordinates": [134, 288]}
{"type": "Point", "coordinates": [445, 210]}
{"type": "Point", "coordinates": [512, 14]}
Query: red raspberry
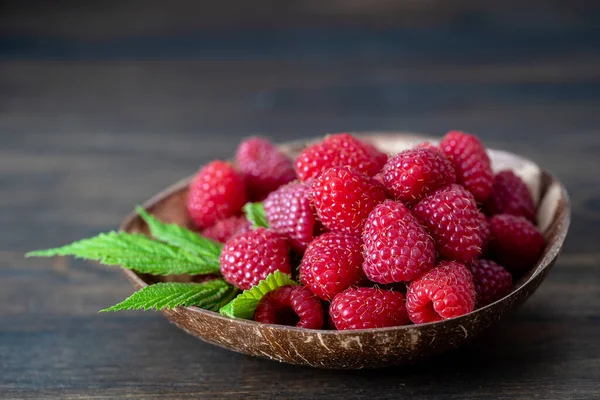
{"type": "Point", "coordinates": [289, 212]}
{"type": "Point", "coordinates": [379, 156]}
{"type": "Point", "coordinates": [412, 174]}
{"type": "Point", "coordinates": [216, 192]}
{"type": "Point", "coordinates": [292, 306]}
{"type": "Point", "coordinates": [338, 150]}
{"type": "Point", "coordinates": [447, 291]}
{"type": "Point", "coordinates": [225, 229]}
{"type": "Point", "coordinates": [515, 242]}
{"type": "Point", "coordinates": [332, 263]}
{"type": "Point", "coordinates": [473, 166]}
{"type": "Point", "coordinates": [263, 166]}
{"type": "Point", "coordinates": [249, 257]}
{"type": "Point", "coordinates": [365, 308]}
{"type": "Point", "coordinates": [484, 232]}
{"type": "Point", "coordinates": [397, 247]}
{"type": "Point", "coordinates": [510, 196]}
{"type": "Point", "coordinates": [453, 219]}
{"type": "Point", "coordinates": [492, 281]}
{"type": "Point", "coordinates": [344, 197]}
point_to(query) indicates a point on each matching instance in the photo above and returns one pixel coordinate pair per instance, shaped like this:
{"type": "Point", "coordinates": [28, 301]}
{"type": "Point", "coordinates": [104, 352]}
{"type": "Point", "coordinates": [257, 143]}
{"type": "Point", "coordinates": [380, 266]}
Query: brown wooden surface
{"type": "Point", "coordinates": [96, 117]}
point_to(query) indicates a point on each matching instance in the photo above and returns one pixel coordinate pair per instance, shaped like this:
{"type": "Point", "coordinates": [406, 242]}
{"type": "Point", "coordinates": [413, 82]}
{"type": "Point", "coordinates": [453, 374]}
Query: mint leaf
{"type": "Point", "coordinates": [255, 212]}
{"type": "Point", "coordinates": [137, 252]}
{"type": "Point", "coordinates": [209, 295]}
{"type": "Point", "coordinates": [245, 303]}
{"type": "Point", "coordinates": [180, 236]}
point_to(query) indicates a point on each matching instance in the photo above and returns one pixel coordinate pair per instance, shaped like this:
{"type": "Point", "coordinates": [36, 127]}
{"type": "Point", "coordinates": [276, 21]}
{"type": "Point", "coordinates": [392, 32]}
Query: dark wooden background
{"type": "Point", "coordinates": [104, 104]}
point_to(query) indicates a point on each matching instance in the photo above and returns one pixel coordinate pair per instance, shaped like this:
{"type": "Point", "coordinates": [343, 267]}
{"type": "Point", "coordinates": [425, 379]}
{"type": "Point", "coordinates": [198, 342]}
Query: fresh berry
{"type": "Point", "coordinates": [453, 219]}
{"type": "Point", "coordinates": [365, 308]}
{"type": "Point", "coordinates": [225, 229]}
{"type": "Point", "coordinates": [292, 306]}
{"type": "Point", "coordinates": [412, 174]}
{"type": "Point", "coordinates": [249, 257]}
{"type": "Point", "coordinates": [332, 263]}
{"type": "Point", "coordinates": [447, 291]}
{"type": "Point", "coordinates": [338, 150]}
{"type": "Point", "coordinates": [473, 166]}
{"type": "Point", "coordinates": [510, 196]}
{"type": "Point", "coordinates": [396, 247]}
{"type": "Point", "coordinates": [379, 156]}
{"type": "Point", "coordinates": [344, 197]}
{"type": "Point", "coordinates": [289, 212]}
{"type": "Point", "coordinates": [216, 192]}
{"type": "Point", "coordinates": [515, 242]}
{"type": "Point", "coordinates": [263, 166]}
{"type": "Point", "coordinates": [492, 281]}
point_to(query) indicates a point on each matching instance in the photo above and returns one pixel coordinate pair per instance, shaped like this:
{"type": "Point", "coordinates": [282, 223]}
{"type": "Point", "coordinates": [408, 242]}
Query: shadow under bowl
{"type": "Point", "coordinates": [369, 348]}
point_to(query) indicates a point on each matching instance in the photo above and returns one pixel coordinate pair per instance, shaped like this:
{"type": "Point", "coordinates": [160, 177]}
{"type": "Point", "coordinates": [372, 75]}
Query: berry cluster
{"type": "Point", "coordinates": [424, 235]}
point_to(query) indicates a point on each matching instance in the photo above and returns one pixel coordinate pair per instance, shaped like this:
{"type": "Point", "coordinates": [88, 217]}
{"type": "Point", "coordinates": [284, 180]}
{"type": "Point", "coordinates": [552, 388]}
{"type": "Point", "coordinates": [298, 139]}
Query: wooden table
{"type": "Point", "coordinates": [95, 119]}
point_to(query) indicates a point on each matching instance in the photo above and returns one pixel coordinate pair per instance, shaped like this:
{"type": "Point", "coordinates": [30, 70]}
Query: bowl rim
{"type": "Point", "coordinates": [545, 263]}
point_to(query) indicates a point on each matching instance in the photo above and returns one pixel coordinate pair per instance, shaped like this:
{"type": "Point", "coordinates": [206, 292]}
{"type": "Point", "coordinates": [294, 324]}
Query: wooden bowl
{"type": "Point", "coordinates": [368, 348]}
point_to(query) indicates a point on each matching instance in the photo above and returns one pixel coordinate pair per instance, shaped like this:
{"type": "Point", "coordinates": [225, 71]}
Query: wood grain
{"type": "Point", "coordinates": [85, 137]}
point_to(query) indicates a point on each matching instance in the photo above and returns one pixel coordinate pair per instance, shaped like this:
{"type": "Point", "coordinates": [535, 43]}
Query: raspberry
{"type": "Point", "coordinates": [292, 306]}
{"type": "Point", "coordinates": [365, 308]}
{"type": "Point", "coordinates": [515, 242]}
{"type": "Point", "coordinates": [263, 166]}
{"type": "Point", "coordinates": [453, 219]}
{"type": "Point", "coordinates": [510, 196]}
{"type": "Point", "coordinates": [344, 197]}
{"type": "Point", "coordinates": [492, 281]}
{"type": "Point", "coordinates": [216, 192]}
{"type": "Point", "coordinates": [484, 232]}
{"type": "Point", "coordinates": [338, 150]}
{"type": "Point", "coordinates": [397, 247]}
{"type": "Point", "coordinates": [249, 257]}
{"type": "Point", "coordinates": [332, 263]}
{"type": "Point", "coordinates": [289, 212]}
{"type": "Point", "coordinates": [225, 229]}
{"type": "Point", "coordinates": [412, 174]}
{"type": "Point", "coordinates": [473, 166]}
{"type": "Point", "coordinates": [447, 291]}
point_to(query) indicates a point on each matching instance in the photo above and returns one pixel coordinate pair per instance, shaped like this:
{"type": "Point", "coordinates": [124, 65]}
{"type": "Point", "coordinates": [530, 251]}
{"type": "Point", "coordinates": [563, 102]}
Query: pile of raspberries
{"type": "Point", "coordinates": [375, 240]}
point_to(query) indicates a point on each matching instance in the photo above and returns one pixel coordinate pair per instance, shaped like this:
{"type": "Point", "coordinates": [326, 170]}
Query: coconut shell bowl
{"type": "Point", "coordinates": [369, 348]}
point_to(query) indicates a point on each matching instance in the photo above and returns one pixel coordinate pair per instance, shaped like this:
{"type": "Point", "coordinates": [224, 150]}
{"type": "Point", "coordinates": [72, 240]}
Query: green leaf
{"type": "Point", "coordinates": [255, 212]}
{"type": "Point", "coordinates": [137, 252]}
{"type": "Point", "coordinates": [245, 303]}
{"type": "Point", "coordinates": [180, 237]}
{"type": "Point", "coordinates": [209, 295]}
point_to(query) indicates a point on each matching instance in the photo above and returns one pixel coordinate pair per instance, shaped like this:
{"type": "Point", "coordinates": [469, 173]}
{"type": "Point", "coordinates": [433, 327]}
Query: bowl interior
{"type": "Point", "coordinates": [373, 347]}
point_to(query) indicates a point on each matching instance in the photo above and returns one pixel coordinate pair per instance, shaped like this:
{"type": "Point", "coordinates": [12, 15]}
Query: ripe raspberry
{"type": "Point", "coordinates": [289, 212]}
{"type": "Point", "coordinates": [447, 291]}
{"type": "Point", "coordinates": [473, 166]}
{"type": "Point", "coordinates": [365, 308]}
{"type": "Point", "coordinates": [216, 192]}
{"type": "Point", "coordinates": [263, 166]}
{"type": "Point", "coordinates": [292, 306]}
{"type": "Point", "coordinates": [492, 281]}
{"type": "Point", "coordinates": [249, 257]}
{"type": "Point", "coordinates": [510, 196]}
{"type": "Point", "coordinates": [338, 150]}
{"type": "Point", "coordinates": [397, 248]}
{"type": "Point", "coordinates": [332, 263]}
{"type": "Point", "coordinates": [344, 197]}
{"type": "Point", "coordinates": [484, 232]}
{"type": "Point", "coordinates": [412, 174]}
{"type": "Point", "coordinates": [453, 219]}
{"type": "Point", "coordinates": [225, 229]}
{"type": "Point", "coordinates": [379, 156]}
{"type": "Point", "coordinates": [515, 242]}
